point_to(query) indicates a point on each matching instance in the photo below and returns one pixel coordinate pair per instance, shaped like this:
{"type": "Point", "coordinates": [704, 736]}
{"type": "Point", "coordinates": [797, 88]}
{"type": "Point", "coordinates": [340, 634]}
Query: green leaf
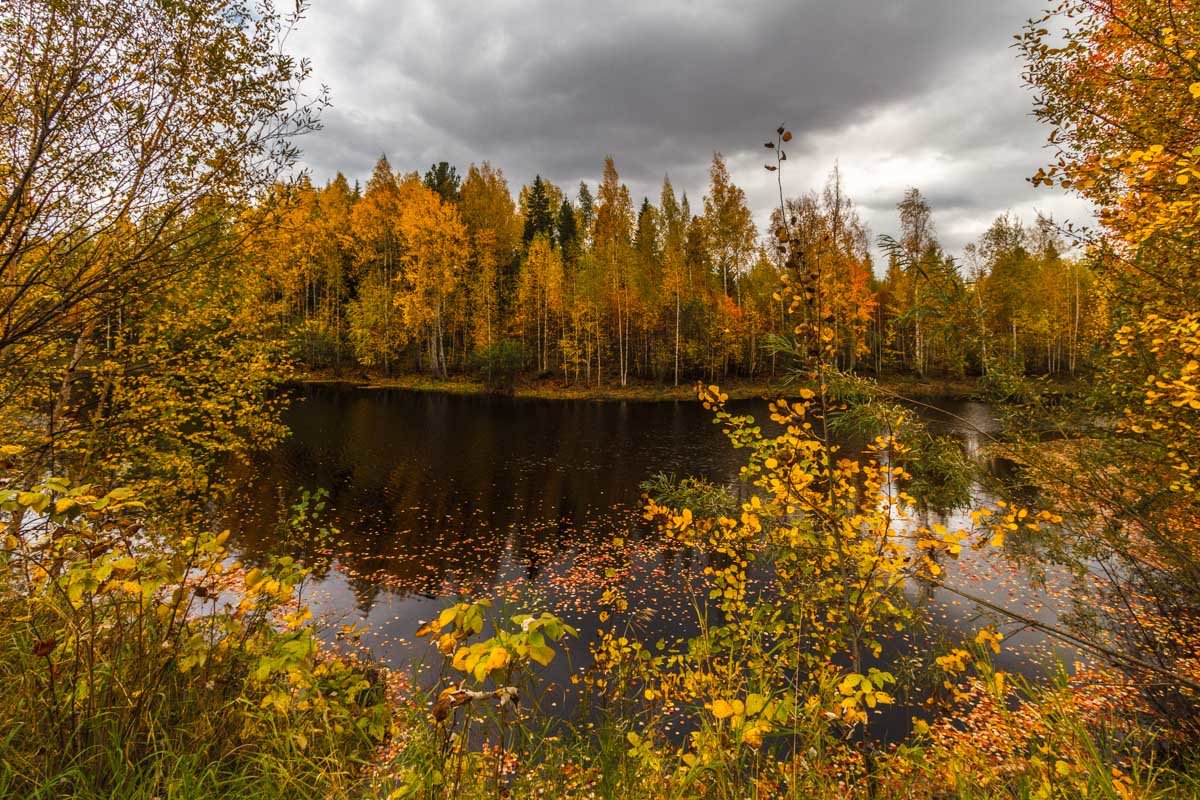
{"type": "Point", "coordinates": [541, 654]}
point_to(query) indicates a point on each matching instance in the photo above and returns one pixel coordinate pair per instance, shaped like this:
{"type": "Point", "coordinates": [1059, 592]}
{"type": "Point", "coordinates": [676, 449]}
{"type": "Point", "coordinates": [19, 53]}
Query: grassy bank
{"type": "Point", "coordinates": [554, 389]}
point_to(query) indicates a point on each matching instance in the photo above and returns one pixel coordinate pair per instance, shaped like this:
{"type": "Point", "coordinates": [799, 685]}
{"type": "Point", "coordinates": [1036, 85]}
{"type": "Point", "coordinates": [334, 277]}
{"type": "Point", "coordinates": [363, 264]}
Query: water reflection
{"type": "Point", "coordinates": [441, 495]}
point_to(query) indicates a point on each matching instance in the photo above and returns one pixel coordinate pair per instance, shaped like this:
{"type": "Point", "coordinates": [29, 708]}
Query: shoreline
{"type": "Point", "coordinates": [904, 385]}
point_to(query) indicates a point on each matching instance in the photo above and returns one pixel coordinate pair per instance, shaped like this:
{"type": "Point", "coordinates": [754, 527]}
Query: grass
{"type": "Point", "coordinates": [126, 676]}
{"type": "Point", "coordinates": [550, 389]}
{"type": "Point", "coordinates": [555, 389]}
{"type": "Point", "coordinates": [523, 757]}
{"type": "Point", "coordinates": [185, 775]}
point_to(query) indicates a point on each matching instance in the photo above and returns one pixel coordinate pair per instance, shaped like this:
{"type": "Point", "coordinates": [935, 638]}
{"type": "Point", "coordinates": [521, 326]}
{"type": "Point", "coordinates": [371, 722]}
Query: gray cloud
{"type": "Point", "coordinates": [921, 92]}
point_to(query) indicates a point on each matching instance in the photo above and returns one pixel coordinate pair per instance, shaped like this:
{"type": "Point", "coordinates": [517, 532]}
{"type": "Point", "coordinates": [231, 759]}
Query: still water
{"type": "Point", "coordinates": [442, 496]}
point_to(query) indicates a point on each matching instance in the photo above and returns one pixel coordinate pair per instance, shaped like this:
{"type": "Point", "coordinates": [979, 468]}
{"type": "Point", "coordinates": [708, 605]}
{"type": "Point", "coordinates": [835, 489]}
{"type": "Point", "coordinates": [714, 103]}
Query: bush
{"type": "Point", "coordinates": [704, 498]}
{"type": "Point", "coordinates": [499, 363]}
{"type": "Point", "coordinates": [134, 661]}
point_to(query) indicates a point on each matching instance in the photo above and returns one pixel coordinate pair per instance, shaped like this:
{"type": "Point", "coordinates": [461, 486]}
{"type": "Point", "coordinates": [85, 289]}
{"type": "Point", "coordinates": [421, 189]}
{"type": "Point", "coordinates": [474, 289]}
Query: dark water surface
{"type": "Point", "coordinates": [439, 496]}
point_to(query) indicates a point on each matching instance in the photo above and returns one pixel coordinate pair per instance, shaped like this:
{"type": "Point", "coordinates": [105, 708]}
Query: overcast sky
{"type": "Point", "coordinates": [900, 93]}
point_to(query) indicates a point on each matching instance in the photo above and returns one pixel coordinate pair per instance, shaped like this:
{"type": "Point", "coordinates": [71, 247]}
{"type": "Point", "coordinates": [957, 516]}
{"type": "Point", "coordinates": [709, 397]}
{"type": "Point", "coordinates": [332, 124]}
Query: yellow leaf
{"type": "Point", "coordinates": [721, 709]}
{"type": "Point", "coordinates": [753, 737]}
{"type": "Point", "coordinates": [498, 659]}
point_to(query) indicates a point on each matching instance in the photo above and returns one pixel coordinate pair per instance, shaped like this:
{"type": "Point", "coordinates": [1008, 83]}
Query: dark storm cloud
{"type": "Point", "coordinates": [922, 92]}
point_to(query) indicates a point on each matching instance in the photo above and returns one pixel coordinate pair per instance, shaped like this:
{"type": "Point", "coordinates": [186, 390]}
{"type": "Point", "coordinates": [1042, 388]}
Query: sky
{"type": "Point", "coordinates": [898, 93]}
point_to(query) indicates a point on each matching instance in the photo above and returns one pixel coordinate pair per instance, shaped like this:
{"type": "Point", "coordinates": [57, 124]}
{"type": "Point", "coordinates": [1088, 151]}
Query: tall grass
{"type": "Point", "coordinates": [139, 661]}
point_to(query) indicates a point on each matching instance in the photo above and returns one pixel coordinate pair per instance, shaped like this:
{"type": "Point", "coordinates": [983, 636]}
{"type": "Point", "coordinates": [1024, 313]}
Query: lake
{"type": "Point", "coordinates": [440, 496]}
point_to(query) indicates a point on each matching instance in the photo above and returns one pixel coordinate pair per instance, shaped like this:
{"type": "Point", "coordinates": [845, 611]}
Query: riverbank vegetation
{"type": "Point", "coordinates": [912, 386]}
{"type": "Point", "coordinates": [162, 277]}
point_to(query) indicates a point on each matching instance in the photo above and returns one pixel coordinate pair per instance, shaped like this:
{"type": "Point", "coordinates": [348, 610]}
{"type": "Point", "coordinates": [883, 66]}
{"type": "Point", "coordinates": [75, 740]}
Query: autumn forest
{"type": "Point", "coordinates": [442, 274]}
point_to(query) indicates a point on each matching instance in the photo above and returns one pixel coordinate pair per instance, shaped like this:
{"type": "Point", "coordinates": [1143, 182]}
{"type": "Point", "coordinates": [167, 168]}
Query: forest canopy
{"type": "Point", "coordinates": [434, 275]}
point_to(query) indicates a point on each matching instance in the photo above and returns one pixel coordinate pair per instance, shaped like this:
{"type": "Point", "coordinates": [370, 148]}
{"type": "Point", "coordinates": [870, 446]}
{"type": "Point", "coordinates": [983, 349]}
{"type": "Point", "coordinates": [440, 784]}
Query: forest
{"type": "Point", "coordinates": [441, 275]}
{"type": "Point", "coordinates": [236, 563]}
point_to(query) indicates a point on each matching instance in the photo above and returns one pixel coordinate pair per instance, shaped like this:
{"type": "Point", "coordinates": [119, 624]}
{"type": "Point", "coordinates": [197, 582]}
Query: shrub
{"type": "Point", "coordinates": [131, 655]}
{"type": "Point", "coordinates": [498, 365]}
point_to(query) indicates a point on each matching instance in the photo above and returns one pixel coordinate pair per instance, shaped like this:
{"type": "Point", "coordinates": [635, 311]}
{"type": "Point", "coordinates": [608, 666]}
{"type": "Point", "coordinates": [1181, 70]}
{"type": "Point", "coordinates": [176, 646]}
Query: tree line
{"type": "Point", "coordinates": [443, 274]}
